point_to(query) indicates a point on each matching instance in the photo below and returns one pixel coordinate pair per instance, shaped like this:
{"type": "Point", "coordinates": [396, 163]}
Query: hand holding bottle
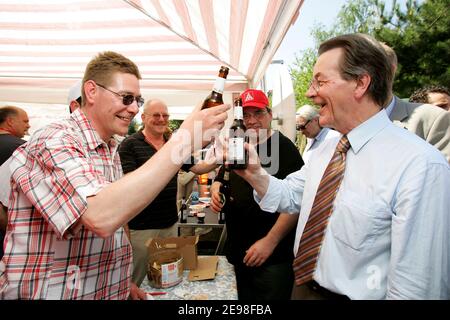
{"type": "Point", "coordinates": [216, 198]}
{"type": "Point", "coordinates": [200, 126]}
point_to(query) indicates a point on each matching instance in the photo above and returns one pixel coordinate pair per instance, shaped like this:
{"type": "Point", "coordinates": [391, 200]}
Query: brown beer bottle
{"type": "Point", "coordinates": [237, 154]}
{"type": "Point", "coordinates": [184, 213]}
{"type": "Point", "coordinates": [215, 98]}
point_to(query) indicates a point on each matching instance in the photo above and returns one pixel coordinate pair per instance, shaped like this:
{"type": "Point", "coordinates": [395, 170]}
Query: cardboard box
{"type": "Point", "coordinates": [186, 246]}
{"type": "Point", "coordinates": [165, 268]}
{"type": "Point", "coordinates": [206, 269]}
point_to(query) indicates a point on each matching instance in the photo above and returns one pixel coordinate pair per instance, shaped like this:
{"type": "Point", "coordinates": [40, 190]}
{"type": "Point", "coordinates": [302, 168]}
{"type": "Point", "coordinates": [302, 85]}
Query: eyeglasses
{"type": "Point", "coordinates": [127, 99]}
{"type": "Point", "coordinates": [257, 114]}
{"type": "Point", "coordinates": [317, 84]}
{"type": "Point", "coordinates": [156, 116]}
{"type": "Point", "coordinates": [302, 127]}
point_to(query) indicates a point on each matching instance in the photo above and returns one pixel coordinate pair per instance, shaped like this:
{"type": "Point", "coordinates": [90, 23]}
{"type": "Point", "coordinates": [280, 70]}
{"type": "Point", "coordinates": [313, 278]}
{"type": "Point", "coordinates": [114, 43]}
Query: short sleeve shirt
{"type": "Point", "coordinates": [52, 177]}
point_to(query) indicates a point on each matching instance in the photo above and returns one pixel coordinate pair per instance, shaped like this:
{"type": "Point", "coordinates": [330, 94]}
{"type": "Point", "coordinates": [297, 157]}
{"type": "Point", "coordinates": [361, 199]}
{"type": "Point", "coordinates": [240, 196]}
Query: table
{"type": "Point", "coordinates": [211, 221]}
{"type": "Point", "coordinates": [223, 287]}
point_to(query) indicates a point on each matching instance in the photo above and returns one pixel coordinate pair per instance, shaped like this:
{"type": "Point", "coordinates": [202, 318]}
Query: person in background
{"type": "Point", "coordinates": [429, 122]}
{"type": "Point", "coordinates": [300, 138]}
{"type": "Point", "coordinates": [307, 121]}
{"type": "Point", "coordinates": [14, 125]}
{"type": "Point", "coordinates": [435, 95]}
{"type": "Point", "coordinates": [374, 209]}
{"type": "Point", "coordinates": [65, 238]}
{"type": "Point", "coordinates": [259, 242]}
{"type": "Point", "coordinates": [74, 96]}
{"type": "Point", "coordinates": [159, 218]}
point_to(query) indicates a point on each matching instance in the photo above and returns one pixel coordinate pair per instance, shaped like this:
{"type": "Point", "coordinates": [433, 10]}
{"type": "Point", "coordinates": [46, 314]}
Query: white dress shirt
{"type": "Point", "coordinates": [312, 144]}
{"type": "Point", "coordinates": [5, 186]}
{"type": "Point", "coordinates": [389, 233]}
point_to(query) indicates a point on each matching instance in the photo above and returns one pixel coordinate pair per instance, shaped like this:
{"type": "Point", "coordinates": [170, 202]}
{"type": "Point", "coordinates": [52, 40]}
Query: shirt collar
{"type": "Point", "coordinates": [390, 106]}
{"type": "Point", "coordinates": [362, 134]}
{"type": "Point", "coordinates": [90, 135]}
{"type": "Point", "coordinates": [321, 135]}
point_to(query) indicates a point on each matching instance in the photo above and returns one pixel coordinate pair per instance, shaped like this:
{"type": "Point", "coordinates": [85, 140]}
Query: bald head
{"type": "Point", "coordinates": [14, 120]}
{"type": "Point", "coordinates": [154, 104]}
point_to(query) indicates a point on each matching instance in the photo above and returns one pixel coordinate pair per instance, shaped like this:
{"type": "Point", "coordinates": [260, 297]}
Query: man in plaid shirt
{"type": "Point", "coordinates": [69, 201]}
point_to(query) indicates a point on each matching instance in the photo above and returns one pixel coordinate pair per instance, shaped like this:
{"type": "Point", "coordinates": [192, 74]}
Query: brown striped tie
{"type": "Point", "coordinates": [308, 251]}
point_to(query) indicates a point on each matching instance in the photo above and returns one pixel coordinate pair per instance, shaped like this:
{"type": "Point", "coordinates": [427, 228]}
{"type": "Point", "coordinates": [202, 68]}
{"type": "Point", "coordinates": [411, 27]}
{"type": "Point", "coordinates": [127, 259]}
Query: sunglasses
{"type": "Point", "coordinates": [127, 99]}
{"type": "Point", "coordinates": [302, 127]}
{"type": "Point", "coordinates": [156, 116]}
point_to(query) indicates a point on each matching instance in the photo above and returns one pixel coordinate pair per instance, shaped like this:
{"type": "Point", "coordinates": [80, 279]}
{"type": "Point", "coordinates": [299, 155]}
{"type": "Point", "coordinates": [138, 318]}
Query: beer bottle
{"type": "Point", "coordinates": [225, 194]}
{"type": "Point", "coordinates": [184, 213]}
{"type": "Point", "coordinates": [237, 154]}
{"type": "Point", "coordinates": [215, 98]}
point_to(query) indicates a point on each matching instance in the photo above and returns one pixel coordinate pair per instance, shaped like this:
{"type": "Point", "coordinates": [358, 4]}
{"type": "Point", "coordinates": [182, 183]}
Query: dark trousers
{"type": "Point", "coordinates": [313, 291]}
{"type": "Point", "coordinates": [268, 282]}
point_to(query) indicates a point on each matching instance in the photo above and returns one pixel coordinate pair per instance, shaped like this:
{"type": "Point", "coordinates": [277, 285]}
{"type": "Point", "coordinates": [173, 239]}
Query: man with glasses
{"type": "Point", "coordinates": [259, 243]}
{"type": "Point", "coordinates": [69, 202]}
{"type": "Point", "coordinates": [307, 121]}
{"type": "Point", "coordinates": [374, 207]}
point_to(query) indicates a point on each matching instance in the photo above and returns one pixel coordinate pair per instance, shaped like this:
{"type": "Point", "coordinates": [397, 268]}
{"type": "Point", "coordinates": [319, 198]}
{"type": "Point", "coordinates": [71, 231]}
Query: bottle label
{"type": "Point", "coordinates": [219, 85]}
{"type": "Point", "coordinates": [236, 149]}
{"type": "Point", "coordinates": [238, 113]}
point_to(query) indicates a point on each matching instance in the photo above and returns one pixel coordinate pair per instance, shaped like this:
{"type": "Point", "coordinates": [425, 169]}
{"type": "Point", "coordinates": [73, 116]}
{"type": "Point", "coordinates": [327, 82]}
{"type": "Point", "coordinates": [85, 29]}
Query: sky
{"type": "Point", "coordinates": [313, 11]}
{"type": "Point", "coordinates": [298, 36]}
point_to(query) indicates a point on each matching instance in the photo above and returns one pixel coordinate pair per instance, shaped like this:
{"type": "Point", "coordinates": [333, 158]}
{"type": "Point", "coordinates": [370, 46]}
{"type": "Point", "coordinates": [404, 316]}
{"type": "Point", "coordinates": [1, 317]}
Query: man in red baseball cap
{"type": "Point", "coordinates": [257, 114]}
{"type": "Point", "coordinates": [259, 244]}
{"type": "Point", "coordinates": [254, 98]}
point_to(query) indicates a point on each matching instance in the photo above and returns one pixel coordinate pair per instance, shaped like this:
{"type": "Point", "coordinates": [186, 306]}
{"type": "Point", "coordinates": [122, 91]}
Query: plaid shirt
{"type": "Point", "coordinates": [53, 174]}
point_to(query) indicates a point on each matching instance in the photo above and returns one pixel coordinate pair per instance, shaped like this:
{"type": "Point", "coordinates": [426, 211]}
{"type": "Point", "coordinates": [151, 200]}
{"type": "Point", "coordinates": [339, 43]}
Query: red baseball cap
{"type": "Point", "coordinates": [254, 98]}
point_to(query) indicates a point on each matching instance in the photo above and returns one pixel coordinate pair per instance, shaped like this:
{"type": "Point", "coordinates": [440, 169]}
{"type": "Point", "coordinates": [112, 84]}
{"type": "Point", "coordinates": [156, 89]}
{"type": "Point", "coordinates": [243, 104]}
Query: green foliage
{"type": "Point", "coordinates": [418, 32]}
{"type": "Point", "coordinates": [133, 127]}
{"type": "Point", "coordinates": [174, 124]}
{"type": "Point", "coordinates": [422, 44]}
{"type": "Point", "coordinates": [301, 74]}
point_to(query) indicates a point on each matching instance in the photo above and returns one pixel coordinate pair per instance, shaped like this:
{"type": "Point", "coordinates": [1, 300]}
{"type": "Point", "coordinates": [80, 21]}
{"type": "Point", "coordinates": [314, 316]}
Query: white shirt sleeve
{"type": "Point", "coordinates": [5, 185]}
{"type": "Point", "coordinates": [283, 195]}
{"type": "Point", "coordinates": [420, 249]}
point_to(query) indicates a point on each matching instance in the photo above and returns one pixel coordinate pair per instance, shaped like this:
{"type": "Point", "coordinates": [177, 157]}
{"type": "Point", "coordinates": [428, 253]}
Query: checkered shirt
{"type": "Point", "coordinates": [53, 174]}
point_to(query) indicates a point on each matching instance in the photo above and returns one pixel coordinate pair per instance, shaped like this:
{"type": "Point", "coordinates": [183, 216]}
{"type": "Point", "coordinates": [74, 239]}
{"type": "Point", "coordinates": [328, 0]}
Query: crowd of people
{"type": "Point", "coordinates": [361, 213]}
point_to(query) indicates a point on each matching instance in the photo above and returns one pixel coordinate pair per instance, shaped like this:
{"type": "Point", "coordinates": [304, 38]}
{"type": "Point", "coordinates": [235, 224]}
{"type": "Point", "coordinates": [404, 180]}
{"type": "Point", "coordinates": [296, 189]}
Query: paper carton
{"type": "Point", "coordinates": [186, 246]}
{"type": "Point", "coordinates": [206, 269]}
{"type": "Point", "coordinates": [165, 268]}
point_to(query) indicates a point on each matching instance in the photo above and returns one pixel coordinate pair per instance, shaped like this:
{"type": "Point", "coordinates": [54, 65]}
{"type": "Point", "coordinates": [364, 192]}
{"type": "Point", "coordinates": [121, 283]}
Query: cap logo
{"type": "Point", "coordinates": [248, 97]}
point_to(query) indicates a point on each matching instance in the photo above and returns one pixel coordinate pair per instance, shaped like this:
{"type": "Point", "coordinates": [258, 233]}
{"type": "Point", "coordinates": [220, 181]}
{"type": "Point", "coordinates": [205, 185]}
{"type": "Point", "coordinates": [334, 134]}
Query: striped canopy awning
{"type": "Point", "coordinates": [177, 44]}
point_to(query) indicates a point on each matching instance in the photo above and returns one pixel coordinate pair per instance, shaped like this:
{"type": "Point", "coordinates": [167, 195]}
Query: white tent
{"type": "Point", "coordinates": [178, 45]}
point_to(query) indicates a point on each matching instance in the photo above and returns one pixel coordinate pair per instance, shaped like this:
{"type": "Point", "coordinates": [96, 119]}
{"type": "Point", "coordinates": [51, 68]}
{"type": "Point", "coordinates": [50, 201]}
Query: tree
{"type": "Point", "coordinates": [301, 74]}
{"type": "Point", "coordinates": [133, 127]}
{"type": "Point", "coordinates": [418, 32]}
{"type": "Point", "coordinates": [175, 124]}
{"type": "Point", "coordinates": [422, 44]}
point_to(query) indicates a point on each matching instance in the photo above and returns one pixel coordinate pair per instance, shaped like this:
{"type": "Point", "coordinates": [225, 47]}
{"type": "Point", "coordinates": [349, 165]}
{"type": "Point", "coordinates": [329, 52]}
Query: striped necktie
{"type": "Point", "coordinates": [311, 240]}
